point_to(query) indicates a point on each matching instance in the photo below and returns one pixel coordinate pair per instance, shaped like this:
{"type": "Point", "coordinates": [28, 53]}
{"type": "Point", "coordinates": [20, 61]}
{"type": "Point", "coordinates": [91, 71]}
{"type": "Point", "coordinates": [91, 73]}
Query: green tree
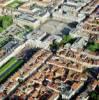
{"type": "Point", "coordinates": [54, 47]}
{"type": "Point", "coordinates": [94, 96]}
{"type": "Point", "coordinates": [65, 39]}
{"type": "Point", "coordinates": [93, 47]}
{"type": "Point", "coordinates": [7, 21]}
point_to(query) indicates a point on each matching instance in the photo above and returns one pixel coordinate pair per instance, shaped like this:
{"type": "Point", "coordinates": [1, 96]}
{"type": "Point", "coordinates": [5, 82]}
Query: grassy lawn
{"type": "Point", "coordinates": [9, 68]}
{"type": "Point", "coordinates": [4, 40]}
{"type": "Point", "coordinates": [8, 64]}
{"type": "Point", "coordinates": [5, 21]}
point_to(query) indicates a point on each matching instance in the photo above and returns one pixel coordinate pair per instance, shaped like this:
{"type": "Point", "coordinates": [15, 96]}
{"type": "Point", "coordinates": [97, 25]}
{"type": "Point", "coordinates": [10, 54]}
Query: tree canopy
{"type": "Point", "coordinates": [5, 21]}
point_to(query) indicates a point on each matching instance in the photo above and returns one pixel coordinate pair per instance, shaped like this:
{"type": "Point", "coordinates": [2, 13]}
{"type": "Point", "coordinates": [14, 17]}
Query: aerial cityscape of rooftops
{"type": "Point", "coordinates": [49, 49]}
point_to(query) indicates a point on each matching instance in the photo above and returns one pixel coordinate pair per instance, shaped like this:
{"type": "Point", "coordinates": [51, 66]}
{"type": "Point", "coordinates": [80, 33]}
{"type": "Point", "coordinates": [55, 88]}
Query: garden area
{"type": "Point", "coordinates": [24, 32]}
{"type": "Point", "coordinates": [15, 4]}
{"type": "Point", "coordinates": [5, 21]}
{"type": "Point", "coordinates": [10, 67]}
{"type": "Point", "coordinates": [4, 40]}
